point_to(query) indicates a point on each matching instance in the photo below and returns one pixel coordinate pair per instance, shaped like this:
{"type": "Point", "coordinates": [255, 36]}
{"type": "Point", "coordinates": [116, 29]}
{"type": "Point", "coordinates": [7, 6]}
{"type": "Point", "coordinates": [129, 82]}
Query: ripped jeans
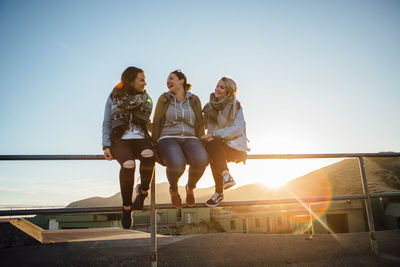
{"type": "Point", "coordinates": [131, 149]}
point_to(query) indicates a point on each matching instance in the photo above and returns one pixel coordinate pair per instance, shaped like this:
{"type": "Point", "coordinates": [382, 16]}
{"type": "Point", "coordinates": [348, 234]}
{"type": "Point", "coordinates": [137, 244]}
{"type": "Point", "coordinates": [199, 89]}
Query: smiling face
{"type": "Point", "coordinates": [221, 91]}
{"type": "Point", "coordinates": [140, 82]}
{"type": "Point", "coordinates": [174, 84]}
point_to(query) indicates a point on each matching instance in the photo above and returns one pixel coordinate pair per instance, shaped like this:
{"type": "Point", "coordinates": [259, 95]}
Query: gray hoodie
{"type": "Point", "coordinates": [179, 119]}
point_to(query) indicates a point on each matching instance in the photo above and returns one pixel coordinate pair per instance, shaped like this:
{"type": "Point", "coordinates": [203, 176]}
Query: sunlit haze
{"type": "Point", "coordinates": [313, 77]}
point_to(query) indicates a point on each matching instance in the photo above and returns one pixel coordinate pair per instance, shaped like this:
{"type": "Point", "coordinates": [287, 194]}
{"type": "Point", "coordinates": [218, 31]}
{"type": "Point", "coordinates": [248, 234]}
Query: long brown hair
{"type": "Point", "coordinates": [127, 77]}
{"type": "Point", "coordinates": [181, 76]}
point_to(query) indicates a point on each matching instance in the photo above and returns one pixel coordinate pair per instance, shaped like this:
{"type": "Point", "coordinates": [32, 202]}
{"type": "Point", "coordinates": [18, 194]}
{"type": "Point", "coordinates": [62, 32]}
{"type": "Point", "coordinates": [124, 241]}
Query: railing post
{"type": "Point", "coordinates": [368, 208]}
{"type": "Point", "coordinates": [311, 220]}
{"type": "Point", "coordinates": [153, 221]}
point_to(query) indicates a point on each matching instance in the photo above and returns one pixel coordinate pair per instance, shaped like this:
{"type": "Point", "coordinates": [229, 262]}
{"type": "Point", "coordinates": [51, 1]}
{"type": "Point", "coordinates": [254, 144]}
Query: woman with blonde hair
{"type": "Point", "coordinates": [226, 139]}
{"type": "Point", "coordinates": [178, 124]}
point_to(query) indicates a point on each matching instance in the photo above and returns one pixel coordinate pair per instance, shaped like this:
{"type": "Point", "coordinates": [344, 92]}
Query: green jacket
{"type": "Point", "coordinates": [161, 110]}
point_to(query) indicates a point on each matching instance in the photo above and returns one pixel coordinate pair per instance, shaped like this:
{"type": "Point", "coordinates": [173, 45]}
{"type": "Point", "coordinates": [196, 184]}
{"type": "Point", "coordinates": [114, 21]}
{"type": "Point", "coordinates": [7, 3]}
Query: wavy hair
{"type": "Point", "coordinates": [124, 86]}
{"type": "Point", "coordinates": [230, 85]}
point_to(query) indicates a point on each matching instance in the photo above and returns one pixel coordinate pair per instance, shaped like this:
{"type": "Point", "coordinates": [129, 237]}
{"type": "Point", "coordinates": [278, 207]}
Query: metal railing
{"type": "Point", "coordinates": [153, 206]}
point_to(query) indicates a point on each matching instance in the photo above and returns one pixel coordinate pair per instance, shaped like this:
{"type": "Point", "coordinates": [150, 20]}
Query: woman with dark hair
{"type": "Point", "coordinates": [177, 126]}
{"type": "Point", "coordinates": [226, 139]}
{"type": "Point", "coordinates": [125, 138]}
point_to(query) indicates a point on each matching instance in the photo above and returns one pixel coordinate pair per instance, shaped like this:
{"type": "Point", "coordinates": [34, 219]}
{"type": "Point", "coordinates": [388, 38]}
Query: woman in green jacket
{"type": "Point", "coordinates": [177, 126]}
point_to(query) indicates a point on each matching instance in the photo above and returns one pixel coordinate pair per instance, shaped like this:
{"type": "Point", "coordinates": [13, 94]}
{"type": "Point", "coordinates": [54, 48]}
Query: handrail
{"type": "Point", "coordinates": [250, 156]}
{"type": "Point", "coordinates": [153, 253]}
{"type": "Point", "coordinates": [117, 209]}
{"type": "Point", "coordinates": [329, 155]}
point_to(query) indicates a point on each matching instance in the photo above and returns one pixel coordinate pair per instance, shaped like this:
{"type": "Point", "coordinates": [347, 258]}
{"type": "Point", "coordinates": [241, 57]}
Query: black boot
{"type": "Point", "coordinates": [140, 197]}
{"type": "Point", "coordinates": [126, 219]}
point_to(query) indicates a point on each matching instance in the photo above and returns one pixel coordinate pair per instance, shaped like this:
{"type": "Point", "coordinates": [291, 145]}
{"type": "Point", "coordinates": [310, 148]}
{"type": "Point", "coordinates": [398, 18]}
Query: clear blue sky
{"type": "Point", "coordinates": [313, 76]}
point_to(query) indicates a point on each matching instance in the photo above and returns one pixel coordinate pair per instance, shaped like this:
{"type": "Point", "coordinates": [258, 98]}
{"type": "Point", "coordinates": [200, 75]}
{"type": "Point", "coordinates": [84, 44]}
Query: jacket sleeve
{"type": "Point", "coordinates": [233, 131]}
{"type": "Point", "coordinates": [155, 133]}
{"type": "Point", "coordinates": [207, 123]}
{"type": "Point", "coordinates": [106, 140]}
{"type": "Point", "coordinates": [202, 120]}
{"type": "Point", "coordinates": [149, 126]}
{"type": "Point", "coordinates": [210, 128]}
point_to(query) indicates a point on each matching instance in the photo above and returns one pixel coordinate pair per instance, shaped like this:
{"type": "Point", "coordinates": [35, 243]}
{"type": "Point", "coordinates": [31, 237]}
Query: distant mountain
{"type": "Point", "coordinates": [162, 196]}
{"type": "Point", "coordinates": [341, 178]}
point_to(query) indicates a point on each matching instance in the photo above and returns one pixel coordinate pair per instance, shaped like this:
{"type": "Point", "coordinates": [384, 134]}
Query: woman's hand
{"type": "Point", "coordinates": [107, 154]}
{"type": "Point", "coordinates": [207, 137]}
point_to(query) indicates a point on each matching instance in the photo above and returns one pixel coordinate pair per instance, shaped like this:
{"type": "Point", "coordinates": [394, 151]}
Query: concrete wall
{"type": "Point", "coordinates": [277, 219]}
{"type": "Point", "coordinates": [353, 211]}
{"type": "Point", "coordinates": [392, 215]}
{"type": "Point", "coordinates": [187, 215]}
{"type": "Point", "coordinates": [266, 223]}
{"type": "Point", "coordinates": [197, 215]}
{"type": "Point", "coordinates": [77, 221]}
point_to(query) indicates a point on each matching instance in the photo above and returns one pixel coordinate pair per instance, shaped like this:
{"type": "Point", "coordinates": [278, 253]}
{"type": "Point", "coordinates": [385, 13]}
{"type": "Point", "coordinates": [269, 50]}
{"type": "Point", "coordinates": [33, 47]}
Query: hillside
{"type": "Point", "coordinates": [341, 178]}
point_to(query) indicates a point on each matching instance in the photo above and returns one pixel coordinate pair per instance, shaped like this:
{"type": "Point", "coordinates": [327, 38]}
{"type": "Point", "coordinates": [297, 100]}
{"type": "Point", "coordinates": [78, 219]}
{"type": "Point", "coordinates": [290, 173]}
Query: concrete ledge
{"type": "Point", "coordinates": [19, 232]}
{"type": "Point", "coordinates": [93, 234]}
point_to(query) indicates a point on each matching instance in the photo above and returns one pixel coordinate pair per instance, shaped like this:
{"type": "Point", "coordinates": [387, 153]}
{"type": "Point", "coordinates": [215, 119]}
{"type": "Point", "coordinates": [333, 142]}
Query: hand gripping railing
{"type": "Point", "coordinates": [153, 207]}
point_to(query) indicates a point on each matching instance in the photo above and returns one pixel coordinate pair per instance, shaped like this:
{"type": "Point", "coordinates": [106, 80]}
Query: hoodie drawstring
{"type": "Point", "coordinates": [190, 114]}
{"type": "Point", "coordinates": [176, 116]}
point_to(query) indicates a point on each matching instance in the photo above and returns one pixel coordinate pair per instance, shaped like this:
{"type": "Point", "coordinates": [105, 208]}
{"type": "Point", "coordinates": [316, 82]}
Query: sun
{"type": "Point", "coordinates": [273, 174]}
{"type": "Point", "coordinates": [273, 184]}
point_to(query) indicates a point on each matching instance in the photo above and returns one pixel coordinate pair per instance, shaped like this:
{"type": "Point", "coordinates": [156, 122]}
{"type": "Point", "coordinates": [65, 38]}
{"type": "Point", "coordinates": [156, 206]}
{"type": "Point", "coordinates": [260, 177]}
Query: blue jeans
{"type": "Point", "coordinates": [176, 152]}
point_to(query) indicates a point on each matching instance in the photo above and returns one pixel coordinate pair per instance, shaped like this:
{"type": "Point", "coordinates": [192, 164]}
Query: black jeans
{"type": "Point", "coordinates": [131, 149]}
{"type": "Point", "coordinates": [219, 154]}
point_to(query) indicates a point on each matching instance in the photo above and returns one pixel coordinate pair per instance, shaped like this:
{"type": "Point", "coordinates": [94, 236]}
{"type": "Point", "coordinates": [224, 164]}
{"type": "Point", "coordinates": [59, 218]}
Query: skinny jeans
{"type": "Point", "coordinates": [131, 149]}
{"type": "Point", "coordinates": [219, 154]}
{"type": "Point", "coordinates": [176, 153]}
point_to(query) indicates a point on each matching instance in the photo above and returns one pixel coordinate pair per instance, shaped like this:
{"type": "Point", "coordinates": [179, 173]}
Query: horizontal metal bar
{"type": "Point", "coordinates": [387, 194]}
{"type": "Point", "coordinates": [309, 156]}
{"type": "Point", "coordinates": [117, 209]}
{"type": "Point", "coordinates": [60, 211]}
{"type": "Point", "coordinates": [272, 201]}
{"type": "Point", "coordinates": [250, 156]}
{"type": "Point", "coordinates": [170, 206]}
{"type": "Point", "coordinates": [51, 157]}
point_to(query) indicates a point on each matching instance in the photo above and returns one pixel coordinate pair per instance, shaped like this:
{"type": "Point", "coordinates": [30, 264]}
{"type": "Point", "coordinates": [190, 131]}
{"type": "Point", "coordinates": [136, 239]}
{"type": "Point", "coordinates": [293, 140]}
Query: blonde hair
{"type": "Point", "coordinates": [230, 85]}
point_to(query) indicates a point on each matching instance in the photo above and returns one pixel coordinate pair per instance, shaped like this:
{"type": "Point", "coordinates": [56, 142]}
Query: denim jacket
{"type": "Point", "coordinates": [106, 140]}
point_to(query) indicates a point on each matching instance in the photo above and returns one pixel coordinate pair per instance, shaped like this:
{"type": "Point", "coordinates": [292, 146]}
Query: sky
{"type": "Point", "coordinates": [313, 77]}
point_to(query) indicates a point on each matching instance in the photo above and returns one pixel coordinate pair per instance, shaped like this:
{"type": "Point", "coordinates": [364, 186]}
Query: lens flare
{"type": "Point", "coordinates": [312, 212]}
